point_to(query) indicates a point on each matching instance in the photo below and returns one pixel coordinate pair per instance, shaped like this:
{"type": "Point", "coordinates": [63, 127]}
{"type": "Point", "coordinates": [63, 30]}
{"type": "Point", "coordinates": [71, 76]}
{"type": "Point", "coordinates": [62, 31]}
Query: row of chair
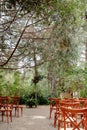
{"type": "Point", "coordinates": [7, 105]}
{"type": "Point", "coordinates": [72, 118]}
{"type": "Point", "coordinates": [67, 107]}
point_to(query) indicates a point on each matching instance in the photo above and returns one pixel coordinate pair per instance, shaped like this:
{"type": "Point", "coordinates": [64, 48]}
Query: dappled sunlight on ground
{"type": "Point", "coordinates": [39, 117]}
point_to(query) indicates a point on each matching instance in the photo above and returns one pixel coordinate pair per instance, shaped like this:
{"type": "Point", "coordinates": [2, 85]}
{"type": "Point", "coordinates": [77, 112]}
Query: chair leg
{"type": "Point", "coordinates": [21, 110]}
{"type": "Point", "coordinates": [58, 126]}
{"type": "Point", "coordinates": [50, 113]}
{"type": "Point", "coordinates": [7, 114]}
{"type": "Point", "coordinates": [11, 116]}
{"type": "Point", "coordinates": [3, 115]}
{"type": "Point", "coordinates": [17, 111]}
{"type": "Point", "coordinates": [55, 119]}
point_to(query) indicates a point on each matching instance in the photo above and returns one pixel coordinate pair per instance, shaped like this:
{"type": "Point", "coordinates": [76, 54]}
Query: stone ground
{"type": "Point", "coordinates": [32, 119]}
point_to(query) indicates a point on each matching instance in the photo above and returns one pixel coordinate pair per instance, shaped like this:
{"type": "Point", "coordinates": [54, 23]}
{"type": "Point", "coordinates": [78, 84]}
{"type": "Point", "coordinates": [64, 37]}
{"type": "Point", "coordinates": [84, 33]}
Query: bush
{"type": "Point", "coordinates": [43, 100]}
{"type": "Point", "coordinates": [83, 92]}
{"type": "Point", "coordinates": [23, 99]}
{"type": "Point", "coordinates": [31, 102]}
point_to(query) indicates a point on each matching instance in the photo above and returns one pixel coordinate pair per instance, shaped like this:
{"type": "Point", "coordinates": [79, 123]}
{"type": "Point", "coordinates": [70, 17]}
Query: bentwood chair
{"type": "Point", "coordinates": [66, 104]}
{"type": "Point", "coordinates": [15, 102]}
{"type": "Point", "coordinates": [6, 109]}
{"type": "Point", "coordinates": [2, 110]}
{"type": "Point", "coordinates": [54, 105]}
{"type": "Point", "coordinates": [76, 122]}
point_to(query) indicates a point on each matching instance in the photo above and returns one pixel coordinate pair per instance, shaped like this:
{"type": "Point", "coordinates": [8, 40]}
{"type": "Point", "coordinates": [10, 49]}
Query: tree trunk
{"type": "Point", "coordinates": [36, 75]}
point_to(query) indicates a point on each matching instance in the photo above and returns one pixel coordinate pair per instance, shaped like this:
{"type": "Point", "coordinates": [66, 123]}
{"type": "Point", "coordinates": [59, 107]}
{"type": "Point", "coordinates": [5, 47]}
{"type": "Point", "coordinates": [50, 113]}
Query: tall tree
{"type": "Point", "coordinates": [55, 23]}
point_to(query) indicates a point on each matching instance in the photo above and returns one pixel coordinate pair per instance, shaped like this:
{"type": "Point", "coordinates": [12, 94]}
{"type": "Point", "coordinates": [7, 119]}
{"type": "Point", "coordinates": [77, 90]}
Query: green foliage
{"type": "Point", "coordinates": [42, 100]}
{"type": "Point", "coordinates": [83, 92]}
{"type": "Point", "coordinates": [29, 5]}
{"type": "Point", "coordinates": [29, 98]}
{"type": "Point", "coordinates": [31, 102]}
{"type": "Point", "coordinates": [23, 99]}
{"type": "Point", "coordinates": [66, 11]}
{"type": "Point", "coordinates": [16, 83]}
{"type": "Point", "coordinates": [2, 84]}
{"type": "Point", "coordinates": [9, 83]}
{"type": "Point", "coordinates": [73, 80]}
{"type": "Point", "coordinates": [6, 82]}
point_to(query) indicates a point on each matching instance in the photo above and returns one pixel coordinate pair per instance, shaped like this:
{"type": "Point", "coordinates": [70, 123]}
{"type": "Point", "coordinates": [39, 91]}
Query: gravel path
{"type": "Point", "coordinates": [32, 119]}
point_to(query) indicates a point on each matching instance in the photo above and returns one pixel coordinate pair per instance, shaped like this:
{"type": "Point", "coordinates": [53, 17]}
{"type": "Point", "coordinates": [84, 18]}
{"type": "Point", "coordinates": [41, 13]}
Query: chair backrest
{"type": "Point", "coordinates": [70, 99]}
{"type": "Point", "coordinates": [54, 102]}
{"type": "Point", "coordinates": [76, 124]}
{"type": "Point", "coordinates": [4, 101]}
{"type": "Point", "coordinates": [15, 100]}
{"type": "Point", "coordinates": [82, 101]}
{"type": "Point", "coordinates": [70, 104]}
{"type": "Point", "coordinates": [81, 98]}
{"type": "Point", "coordinates": [85, 103]}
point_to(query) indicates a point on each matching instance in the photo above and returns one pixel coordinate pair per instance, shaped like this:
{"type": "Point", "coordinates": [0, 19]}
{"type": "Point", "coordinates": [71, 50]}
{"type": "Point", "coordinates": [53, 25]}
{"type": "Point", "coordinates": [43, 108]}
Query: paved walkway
{"type": "Point", "coordinates": [32, 119]}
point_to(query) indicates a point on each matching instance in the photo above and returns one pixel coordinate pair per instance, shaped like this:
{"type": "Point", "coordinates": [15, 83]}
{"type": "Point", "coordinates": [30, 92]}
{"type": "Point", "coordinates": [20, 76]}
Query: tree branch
{"type": "Point", "coordinates": [15, 46]}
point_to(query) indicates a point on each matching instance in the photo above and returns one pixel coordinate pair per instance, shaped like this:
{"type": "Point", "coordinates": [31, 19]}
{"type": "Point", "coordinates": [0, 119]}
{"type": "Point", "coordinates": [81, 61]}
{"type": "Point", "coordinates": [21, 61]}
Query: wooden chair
{"type": "Point", "coordinates": [15, 103]}
{"type": "Point", "coordinates": [2, 110]}
{"type": "Point", "coordinates": [6, 109]}
{"type": "Point", "coordinates": [54, 105]}
{"type": "Point", "coordinates": [76, 122]}
{"type": "Point", "coordinates": [70, 104]}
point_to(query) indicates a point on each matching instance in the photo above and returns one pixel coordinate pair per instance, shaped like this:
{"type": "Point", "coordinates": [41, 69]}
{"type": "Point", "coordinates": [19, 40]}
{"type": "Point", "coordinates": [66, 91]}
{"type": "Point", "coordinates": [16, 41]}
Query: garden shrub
{"type": "Point", "coordinates": [42, 100]}
{"type": "Point", "coordinates": [31, 102]}
{"type": "Point", "coordinates": [23, 99]}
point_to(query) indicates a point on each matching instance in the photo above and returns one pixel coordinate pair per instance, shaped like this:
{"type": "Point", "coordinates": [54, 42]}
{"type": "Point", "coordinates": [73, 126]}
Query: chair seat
{"type": "Point", "coordinates": [2, 109]}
